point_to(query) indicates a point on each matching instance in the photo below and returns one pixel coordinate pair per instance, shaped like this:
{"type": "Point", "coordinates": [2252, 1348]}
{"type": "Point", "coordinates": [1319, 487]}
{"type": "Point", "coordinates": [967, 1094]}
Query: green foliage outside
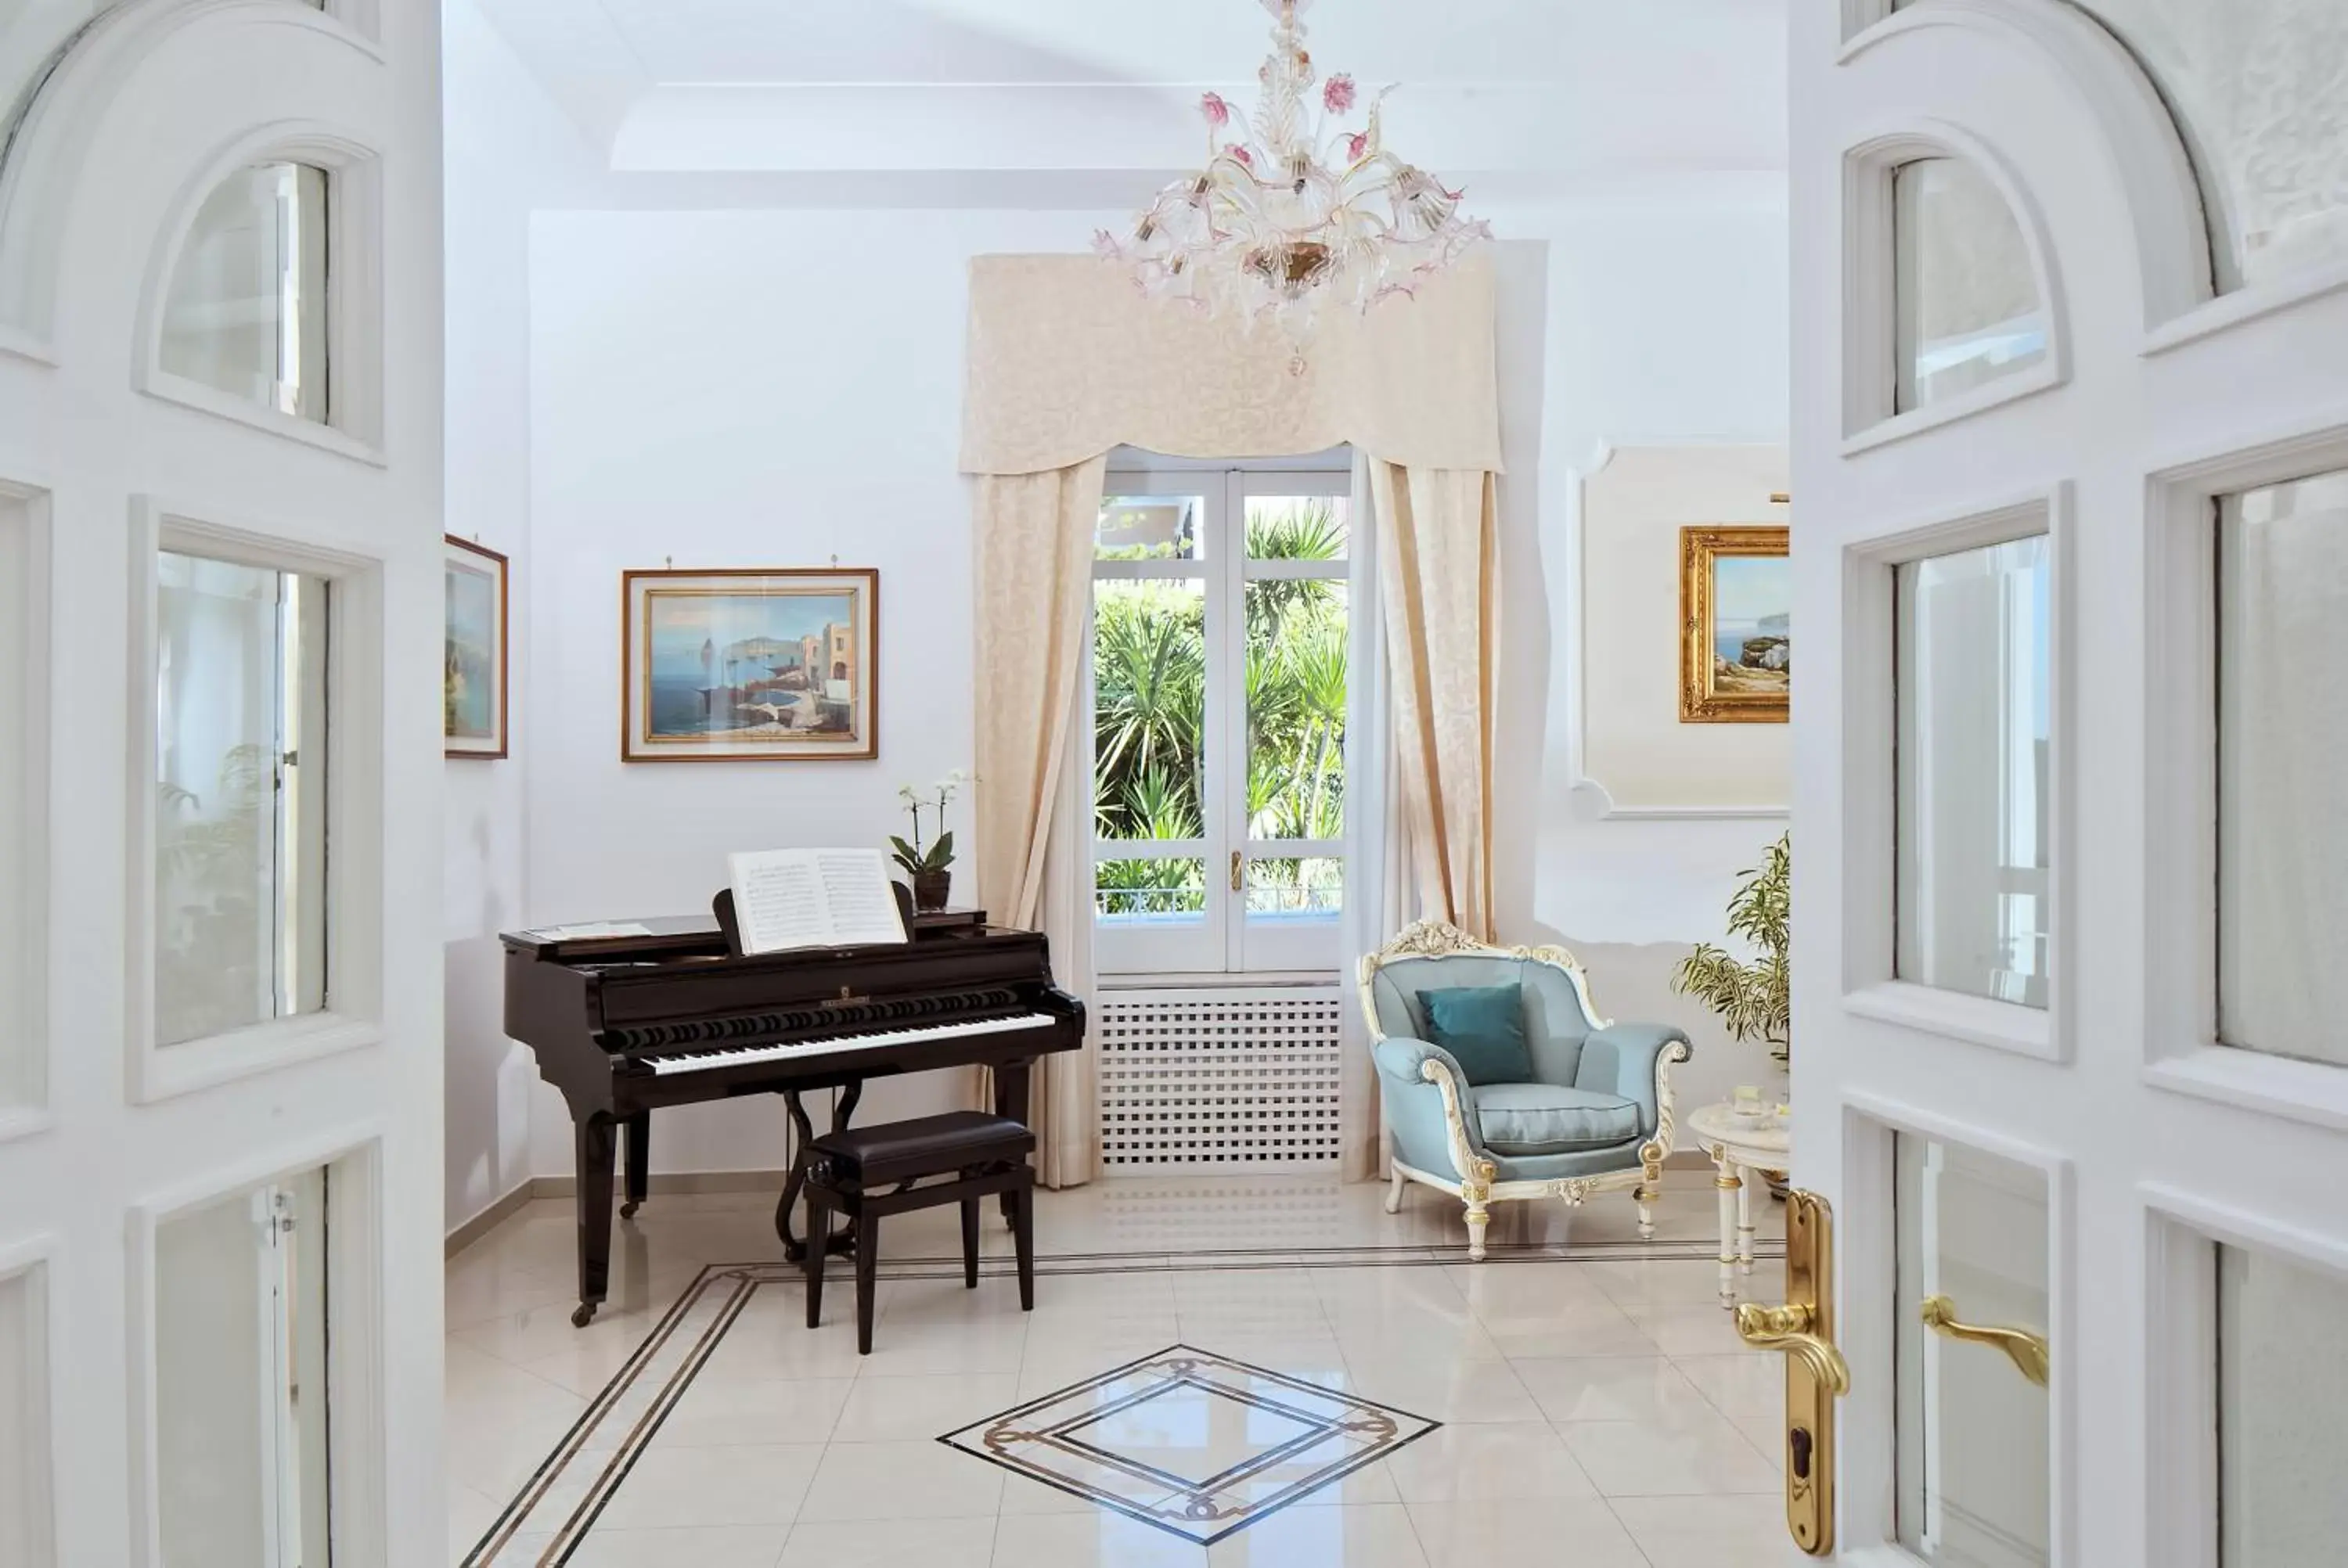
{"type": "Point", "coordinates": [1150, 719]}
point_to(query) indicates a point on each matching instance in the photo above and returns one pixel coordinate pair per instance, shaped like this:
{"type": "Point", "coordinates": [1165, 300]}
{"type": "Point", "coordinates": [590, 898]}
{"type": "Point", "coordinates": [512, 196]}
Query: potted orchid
{"type": "Point", "coordinates": [930, 866]}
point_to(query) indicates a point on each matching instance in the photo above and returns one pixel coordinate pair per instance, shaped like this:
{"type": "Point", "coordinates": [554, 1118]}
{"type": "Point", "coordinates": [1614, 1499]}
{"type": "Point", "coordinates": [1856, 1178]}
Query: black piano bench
{"type": "Point", "coordinates": [847, 1170]}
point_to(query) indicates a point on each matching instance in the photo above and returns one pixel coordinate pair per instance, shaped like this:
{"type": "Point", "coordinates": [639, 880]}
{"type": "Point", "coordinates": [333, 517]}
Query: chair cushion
{"type": "Point", "coordinates": [1547, 1119]}
{"type": "Point", "coordinates": [923, 1146]}
{"type": "Point", "coordinates": [1483, 1028]}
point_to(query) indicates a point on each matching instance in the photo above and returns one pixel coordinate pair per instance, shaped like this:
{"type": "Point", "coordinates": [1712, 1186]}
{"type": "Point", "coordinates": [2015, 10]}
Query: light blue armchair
{"type": "Point", "coordinates": [1595, 1118]}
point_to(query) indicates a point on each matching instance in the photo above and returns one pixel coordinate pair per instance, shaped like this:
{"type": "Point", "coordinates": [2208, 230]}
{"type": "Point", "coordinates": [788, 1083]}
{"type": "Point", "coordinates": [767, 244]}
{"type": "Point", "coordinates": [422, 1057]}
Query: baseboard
{"type": "Point", "coordinates": [677, 1182]}
{"type": "Point", "coordinates": [481, 1223]}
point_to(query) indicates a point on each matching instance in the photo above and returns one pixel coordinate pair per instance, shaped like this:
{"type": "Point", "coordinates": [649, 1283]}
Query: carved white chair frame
{"type": "Point", "coordinates": [1481, 1188]}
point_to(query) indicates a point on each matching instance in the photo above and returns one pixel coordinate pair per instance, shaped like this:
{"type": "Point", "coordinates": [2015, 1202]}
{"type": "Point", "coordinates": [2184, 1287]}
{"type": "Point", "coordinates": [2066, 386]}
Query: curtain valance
{"type": "Point", "coordinates": [1067, 360]}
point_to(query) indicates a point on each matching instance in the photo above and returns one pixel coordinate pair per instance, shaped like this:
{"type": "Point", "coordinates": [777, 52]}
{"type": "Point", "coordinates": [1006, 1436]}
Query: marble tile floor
{"type": "Point", "coordinates": [1596, 1407]}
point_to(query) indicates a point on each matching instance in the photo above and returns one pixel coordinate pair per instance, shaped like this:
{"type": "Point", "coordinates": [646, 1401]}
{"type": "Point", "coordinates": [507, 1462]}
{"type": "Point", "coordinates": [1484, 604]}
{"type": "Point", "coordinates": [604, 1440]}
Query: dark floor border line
{"type": "Point", "coordinates": [1709, 1245]}
{"type": "Point", "coordinates": [574, 1530]}
{"type": "Point", "coordinates": [944, 1269]}
{"type": "Point", "coordinates": [567, 1447]}
{"type": "Point", "coordinates": [757, 1276]}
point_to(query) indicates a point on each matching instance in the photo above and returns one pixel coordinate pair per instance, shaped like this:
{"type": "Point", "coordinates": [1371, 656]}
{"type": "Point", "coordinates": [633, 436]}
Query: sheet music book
{"type": "Point", "coordinates": [790, 898]}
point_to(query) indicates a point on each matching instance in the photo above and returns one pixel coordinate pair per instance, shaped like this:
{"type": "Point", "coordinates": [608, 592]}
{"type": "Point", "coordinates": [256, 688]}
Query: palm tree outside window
{"type": "Point", "coordinates": [1219, 676]}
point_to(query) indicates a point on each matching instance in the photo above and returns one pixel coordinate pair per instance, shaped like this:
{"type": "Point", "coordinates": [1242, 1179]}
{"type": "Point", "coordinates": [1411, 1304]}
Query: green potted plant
{"type": "Point", "coordinates": [930, 866]}
{"type": "Point", "coordinates": [1753, 998]}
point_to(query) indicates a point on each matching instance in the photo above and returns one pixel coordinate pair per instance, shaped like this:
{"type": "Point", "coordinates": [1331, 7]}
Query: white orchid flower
{"type": "Point", "coordinates": [907, 793]}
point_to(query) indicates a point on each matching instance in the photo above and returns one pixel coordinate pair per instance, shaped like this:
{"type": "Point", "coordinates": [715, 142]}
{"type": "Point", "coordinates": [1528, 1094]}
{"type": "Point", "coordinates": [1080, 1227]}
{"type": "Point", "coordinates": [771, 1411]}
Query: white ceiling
{"type": "Point", "coordinates": [1572, 88]}
{"type": "Point", "coordinates": [1186, 41]}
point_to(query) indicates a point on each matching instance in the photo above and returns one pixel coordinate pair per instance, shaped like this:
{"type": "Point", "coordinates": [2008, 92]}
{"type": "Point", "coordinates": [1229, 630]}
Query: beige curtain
{"type": "Point", "coordinates": [1381, 891]}
{"type": "Point", "coordinates": [1437, 530]}
{"type": "Point", "coordinates": [1034, 548]}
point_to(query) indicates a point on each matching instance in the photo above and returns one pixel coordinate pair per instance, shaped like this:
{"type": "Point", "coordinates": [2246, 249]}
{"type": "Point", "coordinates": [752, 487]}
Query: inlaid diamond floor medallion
{"type": "Point", "coordinates": [1192, 1442]}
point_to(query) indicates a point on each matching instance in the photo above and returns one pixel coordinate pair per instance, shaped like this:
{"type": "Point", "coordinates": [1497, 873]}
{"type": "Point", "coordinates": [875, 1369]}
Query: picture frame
{"type": "Point", "coordinates": [750, 665]}
{"type": "Point", "coordinates": [1735, 625]}
{"type": "Point", "coordinates": [474, 658]}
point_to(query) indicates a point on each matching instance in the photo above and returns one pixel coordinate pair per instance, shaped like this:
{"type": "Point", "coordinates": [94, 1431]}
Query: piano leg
{"type": "Point", "coordinates": [639, 1129]}
{"type": "Point", "coordinates": [1011, 1103]}
{"type": "Point", "coordinates": [596, 1136]}
{"type": "Point", "coordinates": [842, 1242]}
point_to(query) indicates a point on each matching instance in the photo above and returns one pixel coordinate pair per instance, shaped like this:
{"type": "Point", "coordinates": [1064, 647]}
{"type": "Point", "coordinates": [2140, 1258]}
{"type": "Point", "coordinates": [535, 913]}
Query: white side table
{"type": "Point", "coordinates": [1744, 1150]}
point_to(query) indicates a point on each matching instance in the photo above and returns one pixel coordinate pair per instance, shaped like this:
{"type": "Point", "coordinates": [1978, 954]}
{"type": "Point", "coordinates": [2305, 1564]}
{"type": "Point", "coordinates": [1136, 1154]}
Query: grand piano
{"type": "Point", "coordinates": [670, 1012]}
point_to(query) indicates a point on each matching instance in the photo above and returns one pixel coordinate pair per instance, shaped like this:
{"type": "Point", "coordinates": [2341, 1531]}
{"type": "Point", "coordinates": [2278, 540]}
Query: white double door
{"type": "Point", "coordinates": [220, 774]}
{"type": "Point", "coordinates": [2071, 820]}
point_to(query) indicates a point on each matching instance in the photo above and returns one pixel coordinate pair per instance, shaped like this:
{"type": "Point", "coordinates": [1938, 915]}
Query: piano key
{"type": "Point", "coordinates": [738, 1056]}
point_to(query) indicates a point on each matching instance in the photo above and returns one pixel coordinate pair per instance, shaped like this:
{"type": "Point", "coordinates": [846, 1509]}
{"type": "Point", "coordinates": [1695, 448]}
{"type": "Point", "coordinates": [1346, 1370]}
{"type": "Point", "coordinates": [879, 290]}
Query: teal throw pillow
{"type": "Point", "coordinates": [1483, 1028]}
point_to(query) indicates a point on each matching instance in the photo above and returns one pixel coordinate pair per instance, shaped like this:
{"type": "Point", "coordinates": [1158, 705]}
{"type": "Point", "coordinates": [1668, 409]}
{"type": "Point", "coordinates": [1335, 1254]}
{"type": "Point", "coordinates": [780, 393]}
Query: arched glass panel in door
{"type": "Point", "coordinates": [246, 313]}
{"type": "Point", "coordinates": [2259, 89]}
{"type": "Point", "coordinates": [1964, 291]}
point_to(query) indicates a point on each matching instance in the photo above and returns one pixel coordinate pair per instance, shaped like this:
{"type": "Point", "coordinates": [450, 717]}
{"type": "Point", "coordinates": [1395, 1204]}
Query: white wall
{"type": "Point", "coordinates": [492, 103]}
{"type": "Point", "coordinates": [712, 383]}
{"type": "Point", "coordinates": [1663, 323]}
{"type": "Point", "coordinates": [742, 388]}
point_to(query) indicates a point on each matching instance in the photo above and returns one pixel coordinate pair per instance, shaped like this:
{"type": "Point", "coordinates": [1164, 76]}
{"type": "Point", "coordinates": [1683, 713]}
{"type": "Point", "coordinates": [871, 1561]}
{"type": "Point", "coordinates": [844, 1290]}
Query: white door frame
{"type": "Point", "coordinates": [105, 1137]}
{"type": "Point", "coordinates": [2157, 395]}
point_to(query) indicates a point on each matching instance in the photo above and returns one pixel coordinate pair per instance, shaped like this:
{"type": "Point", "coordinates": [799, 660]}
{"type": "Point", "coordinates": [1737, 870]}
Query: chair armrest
{"type": "Point", "coordinates": [1635, 1061]}
{"type": "Point", "coordinates": [1428, 1108]}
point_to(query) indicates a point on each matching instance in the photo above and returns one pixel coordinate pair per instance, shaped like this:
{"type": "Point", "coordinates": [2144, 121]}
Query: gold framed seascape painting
{"type": "Point", "coordinates": [1737, 651]}
{"type": "Point", "coordinates": [749, 664]}
{"type": "Point", "coordinates": [473, 651]}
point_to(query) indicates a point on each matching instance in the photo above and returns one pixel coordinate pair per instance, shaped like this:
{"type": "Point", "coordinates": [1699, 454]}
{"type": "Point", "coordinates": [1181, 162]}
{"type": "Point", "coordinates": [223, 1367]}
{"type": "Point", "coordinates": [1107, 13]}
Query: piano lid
{"type": "Point", "coordinates": [655, 938]}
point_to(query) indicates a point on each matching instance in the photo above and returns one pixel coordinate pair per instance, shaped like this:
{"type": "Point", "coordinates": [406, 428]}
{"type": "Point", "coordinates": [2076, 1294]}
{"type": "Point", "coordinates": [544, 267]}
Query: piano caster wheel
{"type": "Point", "coordinates": [584, 1314]}
{"type": "Point", "coordinates": [628, 1210]}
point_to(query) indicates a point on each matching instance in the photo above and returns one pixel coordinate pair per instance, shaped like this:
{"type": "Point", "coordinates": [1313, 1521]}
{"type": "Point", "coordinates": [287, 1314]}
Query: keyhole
{"type": "Point", "coordinates": [1798, 1439]}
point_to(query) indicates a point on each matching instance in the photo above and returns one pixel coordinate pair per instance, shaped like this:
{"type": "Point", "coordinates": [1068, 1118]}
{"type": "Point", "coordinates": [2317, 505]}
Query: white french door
{"type": "Point", "coordinates": [220, 774]}
{"type": "Point", "coordinates": [1220, 636]}
{"type": "Point", "coordinates": [2071, 553]}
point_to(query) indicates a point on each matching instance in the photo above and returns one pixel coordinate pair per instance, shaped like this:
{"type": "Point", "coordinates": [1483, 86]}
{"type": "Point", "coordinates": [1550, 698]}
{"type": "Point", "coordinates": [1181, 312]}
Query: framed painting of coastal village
{"type": "Point", "coordinates": [1737, 651]}
{"type": "Point", "coordinates": [749, 665]}
{"type": "Point", "coordinates": [473, 651]}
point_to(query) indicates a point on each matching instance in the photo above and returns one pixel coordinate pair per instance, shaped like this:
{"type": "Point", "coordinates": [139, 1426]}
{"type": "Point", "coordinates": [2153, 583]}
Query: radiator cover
{"type": "Point", "coordinates": [1220, 1078]}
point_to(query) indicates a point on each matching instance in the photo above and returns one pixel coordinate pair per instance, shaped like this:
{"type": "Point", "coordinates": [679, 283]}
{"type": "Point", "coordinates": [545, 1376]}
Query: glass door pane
{"type": "Point", "coordinates": [247, 310]}
{"type": "Point", "coordinates": [1968, 311]}
{"type": "Point", "coordinates": [2283, 1381]}
{"type": "Point", "coordinates": [1974, 676]}
{"type": "Point", "coordinates": [2255, 86]}
{"type": "Point", "coordinates": [242, 1424]}
{"type": "Point", "coordinates": [1296, 643]}
{"type": "Point", "coordinates": [2283, 768]}
{"type": "Point", "coordinates": [241, 833]}
{"type": "Point", "coordinates": [1973, 1443]}
{"type": "Point", "coordinates": [1157, 898]}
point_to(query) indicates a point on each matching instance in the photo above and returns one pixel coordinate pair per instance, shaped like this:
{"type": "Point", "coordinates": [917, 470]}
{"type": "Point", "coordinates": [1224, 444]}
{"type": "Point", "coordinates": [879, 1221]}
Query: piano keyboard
{"type": "Point", "coordinates": [745, 1055]}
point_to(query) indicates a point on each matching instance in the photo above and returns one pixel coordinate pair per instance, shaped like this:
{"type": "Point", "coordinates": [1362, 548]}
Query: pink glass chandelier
{"type": "Point", "coordinates": [1296, 210]}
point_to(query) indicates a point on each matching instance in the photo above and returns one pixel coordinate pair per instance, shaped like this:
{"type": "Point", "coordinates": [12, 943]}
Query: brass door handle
{"type": "Point", "coordinates": [1238, 877]}
{"type": "Point", "coordinates": [1816, 1376]}
{"type": "Point", "coordinates": [1788, 1328]}
{"type": "Point", "coordinates": [2029, 1352]}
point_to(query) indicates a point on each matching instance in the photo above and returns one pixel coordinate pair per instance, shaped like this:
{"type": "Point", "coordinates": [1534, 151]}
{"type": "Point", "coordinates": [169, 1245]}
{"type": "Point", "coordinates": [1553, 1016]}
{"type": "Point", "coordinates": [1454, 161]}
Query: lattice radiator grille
{"type": "Point", "coordinates": [1226, 1078]}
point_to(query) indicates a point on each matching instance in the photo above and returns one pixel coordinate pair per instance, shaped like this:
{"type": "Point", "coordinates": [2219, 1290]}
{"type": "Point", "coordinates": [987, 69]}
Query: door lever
{"type": "Point", "coordinates": [2029, 1352]}
{"type": "Point", "coordinates": [1788, 1328]}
